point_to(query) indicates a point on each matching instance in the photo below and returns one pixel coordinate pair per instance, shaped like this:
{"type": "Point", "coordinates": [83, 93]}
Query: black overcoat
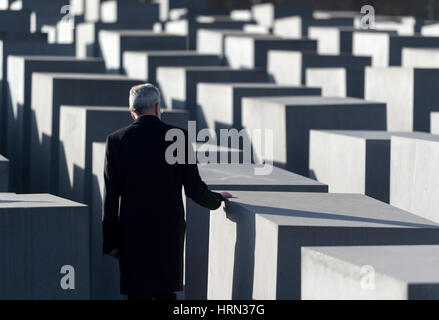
{"type": "Point", "coordinates": [143, 212]}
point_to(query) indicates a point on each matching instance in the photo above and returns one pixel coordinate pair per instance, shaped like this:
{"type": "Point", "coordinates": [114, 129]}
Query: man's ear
{"type": "Point", "coordinates": [132, 115]}
{"type": "Point", "coordinates": [157, 109]}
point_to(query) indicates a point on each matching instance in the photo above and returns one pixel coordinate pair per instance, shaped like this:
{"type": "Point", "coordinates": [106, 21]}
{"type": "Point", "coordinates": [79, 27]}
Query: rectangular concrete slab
{"type": "Point", "coordinates": [228, 177]}
{"type": "Point", "coordinates": [337, 82]}
{"type": "Point", "coordinates": [289, 67]}
{"type": "Point", "coordinates": [114, 42]}
{"type": "Point", "coordinates": [49, 92]}
{"type": "Point", "coordinates": [219, 104]}
{"type": "Point", "coordinates": [245, 51]}
{"type": "Point", "coordinates": [386, 49]}
{"type": "Point", "coordinates": [353, 161]}
{"type": "Point", "coordinates": [117, 11]}
{"type": "Point", "coordinates": [179, 84]}
{"type": "Point", "coordinates": [79, 127]}
{"type": "Point", "coordinates": [266, 13]}
{"type": "Point", "coordinates": [45, 243]}
{"type": "Point", "coordinates": [142, 65]}
{"type": "Point", "coordinates": [289, 119]}
{"type": "Point", "coordinates": [20, 69]}
{"type": "Point", "coordinates": [420, 57]}
{"type": "Point", "coordinates": [370, 273]}
{"type": "Point", "coordinates": [414, 164]}
{"type": "Point", "coordinates": [21, 44]}
{"type": "Point", "coordinates": [434, 123]}
{"type": "Point", "coordinates": [256, 238]}
{"type": "Point", "coordinates": [410, 94]}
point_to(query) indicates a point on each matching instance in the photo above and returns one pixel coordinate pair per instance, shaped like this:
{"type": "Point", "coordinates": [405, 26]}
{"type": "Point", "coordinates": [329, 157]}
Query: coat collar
{"type": "Point", "coordinates": [147, 119]}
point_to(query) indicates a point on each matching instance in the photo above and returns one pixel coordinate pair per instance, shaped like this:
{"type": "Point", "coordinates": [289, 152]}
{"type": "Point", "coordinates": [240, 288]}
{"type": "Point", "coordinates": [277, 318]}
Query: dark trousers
{"type": "Point", "coordinates": [155, 296]}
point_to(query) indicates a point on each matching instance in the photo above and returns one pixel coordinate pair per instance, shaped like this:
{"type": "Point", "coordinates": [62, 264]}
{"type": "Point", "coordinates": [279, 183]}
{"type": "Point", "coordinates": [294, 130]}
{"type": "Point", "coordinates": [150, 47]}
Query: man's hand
{"type": "Point", "coordinates": [226, 195]}
{"type": "Point", "coordinates": [115, 253]}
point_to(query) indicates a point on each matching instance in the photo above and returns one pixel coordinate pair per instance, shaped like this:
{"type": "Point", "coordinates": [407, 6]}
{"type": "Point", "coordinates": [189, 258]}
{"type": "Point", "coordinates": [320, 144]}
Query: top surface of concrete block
{"type": "Point", "coordinates": [291, 101]}
{"type": "Point", "coordinates": [242, 177]}
{"type": "Point", "coordinates": [411, 264]}
{"type": "Point", "coordinates": [12, 200]}
{"type": "Point", "coordinates": [375, 135]}
{"type": "Point", "coordinates": [327, 210]}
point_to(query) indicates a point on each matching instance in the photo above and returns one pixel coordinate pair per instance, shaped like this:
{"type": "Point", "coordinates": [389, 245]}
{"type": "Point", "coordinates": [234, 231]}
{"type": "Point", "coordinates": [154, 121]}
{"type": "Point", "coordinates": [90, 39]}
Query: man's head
{"type": "Point", "coordinates": [144, 100]}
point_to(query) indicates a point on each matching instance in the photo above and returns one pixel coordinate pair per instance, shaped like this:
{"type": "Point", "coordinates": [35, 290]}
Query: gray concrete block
{"type": "Point", "coordinates": [194, 6]}
{"type": "Point", "coordinates": [256, 238]}
{"type": "Point", "coordinates": [4, 174]}
{"type": "Point", "coordinates": [42, 233]}
{"type": "Point", "coordinates": [114, 42]}
{"type": "Point", "coordinates": [212, 41]}
{"type": "Point", "coordinates": [414, 164]}
{"type": "Point", "coordinates": [19, 77]}
{"type": "Point", "coordinates": [228, 177]}
{"type": "Point", "coordinates": [289, 67]}
{"type": "Point", "coordinates": [117, 11]}
{"type": "Point", "coordinates": [297, 27]}
{"type": "Point", "coordinates": [290, 119]}
{"type": "Point", "coordinates": [266, 13]}
{"type": "Point", "coordinates": [78, 130]}
{"type": "Point", "coordinates": [86, 35]}
{"type": "Point", "coordinates": [410, 94]}
{"type": "Point", "coordinates": [420, 57]}
{"type": "Point", "coordinates": [337, 82]}
{"type": "Point", "coordinates": [353, 161]}
{"type": "Point", "coordinates": [179, 84]}
{"type": "Point", "coordinates": [189, 27]}
{"type": "Point", "coordinates": [386, 48]}
{"type": "Point", "coordinates": [21, 44]}
{"type": "Point", "coordinates": [49, 92]}
{"type": "Point", "coordinates": [434, 123]}
{"type": "Point", "coordinates": [332, 40]}
{"type": "Point", "coordinates": [370, 273]}
{"type": "Point", "coordinates": [143, 65]}
{"type": "Point", "coordinates": [249, 51]}
{"type": "Point", "coordinates": [219, 104]}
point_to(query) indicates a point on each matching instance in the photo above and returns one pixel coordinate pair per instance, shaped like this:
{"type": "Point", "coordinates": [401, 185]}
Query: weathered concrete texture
{"type": "Point", "coordinates": [266, 13]}
{"type": "Point", "coordinates": [179, 84]}
{"type": "Point", "coordinates": [86, 35]}
{"type": "Point", "coordinates": [337, 82]}
{"type": "Point", "coordinates": [79, 127]}
{"type": "Point", "coordinates": [410, 94]}
{"type": "Point", "coordinates": [21, 44]}
{"type": "Point", "coordinates": [370, 273]}
{"type": "Point", "coordinates": [414, 164]}
{"type": "Point", "coordinates": [4, 174]}
{"type": "Point", "coordinates": [289, 67]}
{"type": "Point", "coordinates": [49, 92]}
{"type": "Point", "coordinates": [420, 57]}
{"type": "Point", "coordinates": [189, 27]}
{"type": "Point", "coordinates": [296, 27]}
{"type": "Point", "coordinates": [228, 177]}
{"type": "Point", "coordinates": [386, 48]}
{"type": "Point", "coordinates": [290, 119]}
{"type": "Point", "coordinates": [20, 69]}
{"type": "Point", "coordinates": [353, 161]}
{"type": "Point", "coordinates": [434, 123]}
{"type": "Point", "coordinates": [114, 42]}
{"type": "Point", "coordinates": [118, 11]}
{"type": "Point", "coordinates": [142, 65]}
{"type": "Point", "coordinates": [219, 104]}
{"type": "Point", "coordinates": [255, 241]}
{"type": "Point", "coordinates": [250, 51]}
{"type": "Point", "coordinates": [41, 234]}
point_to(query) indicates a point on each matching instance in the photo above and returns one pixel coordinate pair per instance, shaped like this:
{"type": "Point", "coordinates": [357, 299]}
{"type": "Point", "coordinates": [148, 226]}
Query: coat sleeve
{"type": "Point", "coordinates": [110, 223]}
{"type": "Point", "coordinates": [196, 189]}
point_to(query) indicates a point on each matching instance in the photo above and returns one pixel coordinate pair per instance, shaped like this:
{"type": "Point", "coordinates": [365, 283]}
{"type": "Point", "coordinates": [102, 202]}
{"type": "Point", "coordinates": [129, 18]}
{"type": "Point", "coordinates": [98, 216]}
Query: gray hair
{"type": "Point", "coordinates": [143, 97]}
